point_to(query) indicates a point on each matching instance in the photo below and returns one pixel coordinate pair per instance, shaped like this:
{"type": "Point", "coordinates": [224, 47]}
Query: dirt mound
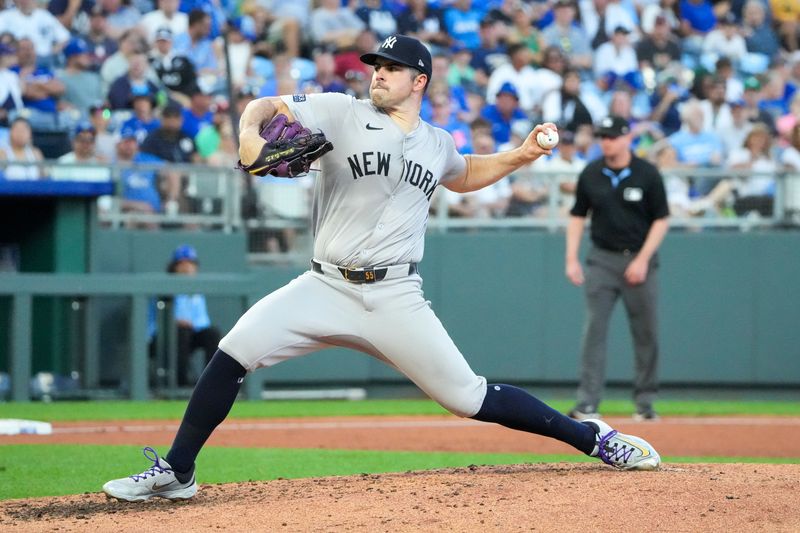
{"type": "Point", "coordinates": [530, 497]}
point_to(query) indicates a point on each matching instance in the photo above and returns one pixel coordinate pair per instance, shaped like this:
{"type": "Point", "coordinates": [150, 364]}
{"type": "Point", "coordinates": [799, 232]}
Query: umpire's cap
{"type": "Point", "coordinates": [404, 50]}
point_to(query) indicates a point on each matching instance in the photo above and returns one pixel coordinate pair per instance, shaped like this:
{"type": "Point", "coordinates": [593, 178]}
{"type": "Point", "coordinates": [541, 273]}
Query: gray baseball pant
{"type": "Point", "coordinates": [605, 283]}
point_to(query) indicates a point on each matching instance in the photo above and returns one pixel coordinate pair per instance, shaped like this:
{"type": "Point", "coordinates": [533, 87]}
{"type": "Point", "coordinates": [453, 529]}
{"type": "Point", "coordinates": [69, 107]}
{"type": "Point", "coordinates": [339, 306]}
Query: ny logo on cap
{"type": "Point", "coordinates": [389, 42]}
{"type": "Point", "coordinates": [607, 122]}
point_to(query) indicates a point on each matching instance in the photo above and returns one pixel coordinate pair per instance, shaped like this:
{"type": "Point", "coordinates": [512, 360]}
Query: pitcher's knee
{"type": "Point", "coordinates": [464, 401]}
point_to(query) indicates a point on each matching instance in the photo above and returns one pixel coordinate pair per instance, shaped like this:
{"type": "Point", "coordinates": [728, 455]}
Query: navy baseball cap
{"type": "Point", "coordinates": [613, 126]}
{"type": "Point", "coordinates": [404, 50]}
{"type": "Point", "coordinates": [184, 252]}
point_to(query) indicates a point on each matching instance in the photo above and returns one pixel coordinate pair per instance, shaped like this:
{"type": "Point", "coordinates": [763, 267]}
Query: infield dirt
{"type": "Point", "coordinates": [529, 497]}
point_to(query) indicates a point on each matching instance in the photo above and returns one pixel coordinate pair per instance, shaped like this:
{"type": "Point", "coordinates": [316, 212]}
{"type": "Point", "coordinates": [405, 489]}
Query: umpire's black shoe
{"type": "Point", "coordinates": [583, 412]}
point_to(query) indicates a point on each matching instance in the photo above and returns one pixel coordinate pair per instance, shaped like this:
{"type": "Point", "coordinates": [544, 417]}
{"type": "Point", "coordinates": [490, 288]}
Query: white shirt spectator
{"type": "Point", "coordinates": [719, 122]}
{"type": "Point", "coordinates": [730, 46]}
{"type": "Point", "coordinates": [607, 58]}
{"type": "Point", "coordinates": [761, 180]}
{"type": "Point", "coordinates": [41, 27]}
{"type": "Point", "coordinates": [76, 173]}
{"type": "Point", "coordinates": [531, 84]}
{"type": "Point", "coordinates": [155, 20]}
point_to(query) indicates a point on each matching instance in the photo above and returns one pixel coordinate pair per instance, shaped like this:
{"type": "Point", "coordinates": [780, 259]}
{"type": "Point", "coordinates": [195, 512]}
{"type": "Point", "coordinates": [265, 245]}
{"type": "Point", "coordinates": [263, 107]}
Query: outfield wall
{"type": "Point", "coordinates": [729, 309]}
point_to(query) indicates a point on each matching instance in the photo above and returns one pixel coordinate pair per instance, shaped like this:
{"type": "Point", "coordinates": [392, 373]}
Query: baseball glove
{"type": "Point", "coordinates": [290, 149]}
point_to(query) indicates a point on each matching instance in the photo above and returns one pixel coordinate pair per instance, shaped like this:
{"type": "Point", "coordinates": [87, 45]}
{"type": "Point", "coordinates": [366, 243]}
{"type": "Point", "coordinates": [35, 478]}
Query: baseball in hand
{"type": "Point", "coordinates": [547, 138]}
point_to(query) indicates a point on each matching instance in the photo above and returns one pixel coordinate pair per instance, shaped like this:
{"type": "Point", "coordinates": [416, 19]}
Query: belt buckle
{"type": "Point", "coordinates": [368, 275]}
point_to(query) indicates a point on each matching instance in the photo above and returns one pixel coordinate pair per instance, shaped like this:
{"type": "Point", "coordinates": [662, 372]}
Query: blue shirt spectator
{"type": "Point", "coordinates": [503, 113]}
{"type": "Point", "coordinates": [699, 14]}
{"type": "Point", "coordinates": [140, 127]}
{"type": "Point", "coordinates": [141, 185]}
{"type": "Point", "coordinates": [192, 123]}
{"type": "Point", "coordinates": [463, 22]}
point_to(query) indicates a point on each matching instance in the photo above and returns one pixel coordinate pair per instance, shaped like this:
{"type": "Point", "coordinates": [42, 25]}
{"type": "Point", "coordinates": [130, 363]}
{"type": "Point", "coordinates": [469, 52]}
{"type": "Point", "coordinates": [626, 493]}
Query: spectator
{"type": "Point", "coordinates": [191, 317]}
{"type": "Point", "coordinates": [197, 45]}
{"type": "Point", "coordinates": [725, 40]}
{"type": "Point", "coordinates": [169, 142]}
{"type": "Point", "coordinates": [326, 76]}
{"type": "Point", "coordinates": [105, 142]}
{"type": "Point", "coordinates": [176, 72]}
{"type": "Point", "coordinates": [20, 149]}
{"type": "Point", "coordinates": [215, 143]}
{"type": "Point", "coordinates": [491, 201]}
{"type": "Point", "coordinates": [665, 158]}
{"type": "Point", "coordinates": [143, 120]}
{"type": "Point", "coordinates": [531, 84]}
{"type": "Point", "coordinates": [491, 53]}
{"type": "Point", "coordinates": [277, 23]}
{"type": "Point", "coordinates": [101, 45]}
{"type": "Point", "coordinates": [140, 192]}
{"type": "Point", "coordinates": [423, 21]}
{"type": "Point", "coordinates": [697, 19]}
{"type": "Point", "coordinates": [734, 136]}
{"type": "Point", "coordinates": [753, 95]}
{"type": "Point", "coordinates": [524, 31]}
{"type": "Point", "coordinates": [462, 21]}
{"type": "Point", "coordinates": [134, 83]}
{"type": "Point", "coordinates": [461, 73]}
{"type": "Point", "coordinates": [665, 10]}
{"type": "Point", "coordinates": [240, 51]}
{"type": "Point", "coordinates": [786, 15]}
{"type": "Point", "coordinates": [734, 85]}
{"type": "Point", "coordinates": [82, 86]}
{"type": "Point", "coordinates": [758, 33]}
{"type": "Point", "coordinates": [10, 91]}
{"type": "Point", "coordinates": [335, 25]}
{"type": "Point", "coordinates": [696, 147]}
{"type": "Point", "coordinates": [622, 263]}
{"type": "Point", "coordinates": [569, 36]}
{"type": "Point", "coordinates": [349, 59]}
{"type": "Point", "coordinates": [40, 88]}
{"type": "Point", "coordinates": [444, 117]}
{"type": "Point", "coordinates": [38, 26]}
{"type": "Point", "coordinates": [120, 17]}
{"type": "Point", "coordinates": [716, 111]}
{"type": "Point", "coordinates": [564, 107]}
{"type": "Point", "coordinates": [777, 93]}
{"type": "Point", "coordinates": [755, 191]}
{"type": "Point", "coordinates": [166, 16]}
{"type": "Point", "coordinates": [198, 114]}
{"type": "Point", "coordinates": [117, 65]}
{"type": "Point", "coordinates": [787, 122]}
{"type": "Point", "coordinates": [617, 56]}
{"type": "Point", "coordinates": [377, 16]}
{"type": "Point", "coordinates": [660, 48]}
{"type": "Point", "coordinates": [504, 112]}
{"type": "Point", "coordinates": [665, 102]}
{"type": "Point", "coordinates": [600, 17]}
{"type": "Point", "coordinates": [83, 151]}
{"type": "Point", "coordinates": [790, 159]}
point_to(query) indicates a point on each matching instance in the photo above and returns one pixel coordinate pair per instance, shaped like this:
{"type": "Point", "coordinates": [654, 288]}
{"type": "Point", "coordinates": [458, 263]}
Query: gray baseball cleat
{"type": "Point", "coordinates": [622, 451]}
{"type": "Point", "coordinates": [158, 481]}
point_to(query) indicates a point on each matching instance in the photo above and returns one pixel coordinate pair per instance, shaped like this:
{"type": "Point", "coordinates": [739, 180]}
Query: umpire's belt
{"type": "Point", "coordinates": [364, 274]}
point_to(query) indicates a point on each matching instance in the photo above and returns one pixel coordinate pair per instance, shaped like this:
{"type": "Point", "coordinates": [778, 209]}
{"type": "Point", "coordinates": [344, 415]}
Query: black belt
{"type": "Point", "coordinates": [623, 251]}
{"type": "Point", "coordinates": [362, 275]}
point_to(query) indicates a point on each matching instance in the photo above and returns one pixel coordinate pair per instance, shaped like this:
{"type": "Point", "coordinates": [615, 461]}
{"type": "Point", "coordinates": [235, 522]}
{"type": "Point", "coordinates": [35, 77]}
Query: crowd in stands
{"type": "Point", "coordinates": [704, 84]}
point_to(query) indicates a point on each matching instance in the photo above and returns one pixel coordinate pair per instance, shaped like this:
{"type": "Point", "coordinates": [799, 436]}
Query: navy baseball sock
{"type": "Point", "coordinates": [211, 401]}
{"type": "Point", "coordinates": [516, 409]}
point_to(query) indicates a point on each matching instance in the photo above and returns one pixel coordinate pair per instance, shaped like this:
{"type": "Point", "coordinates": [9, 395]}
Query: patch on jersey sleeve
{"type": "Point", "coordinates": [298, 97]}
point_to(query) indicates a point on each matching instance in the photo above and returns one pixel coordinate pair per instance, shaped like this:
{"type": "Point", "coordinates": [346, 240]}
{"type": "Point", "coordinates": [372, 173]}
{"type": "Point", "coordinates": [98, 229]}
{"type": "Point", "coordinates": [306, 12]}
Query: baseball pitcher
{"type": "Point", "coordinates": [379, 166]}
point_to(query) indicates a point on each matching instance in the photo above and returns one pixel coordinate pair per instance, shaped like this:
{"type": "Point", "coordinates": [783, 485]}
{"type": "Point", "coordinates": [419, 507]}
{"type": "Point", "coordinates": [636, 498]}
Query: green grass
{"type": "Point", "coordinates": [52, 470]}
{"type": "Point", "coordinates": [171, 410]}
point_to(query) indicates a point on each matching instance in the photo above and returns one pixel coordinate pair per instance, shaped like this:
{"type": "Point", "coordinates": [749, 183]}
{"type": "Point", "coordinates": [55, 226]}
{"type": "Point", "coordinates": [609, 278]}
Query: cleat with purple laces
{"type": "Point", "coordinates": [622, 451]}
{"type": "Point", "coordinates": [158, 481]}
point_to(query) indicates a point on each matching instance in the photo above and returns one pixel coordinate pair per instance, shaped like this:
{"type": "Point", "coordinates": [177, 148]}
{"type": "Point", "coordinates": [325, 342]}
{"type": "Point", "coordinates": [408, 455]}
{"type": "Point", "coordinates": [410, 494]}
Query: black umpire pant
{"type": "Point", "coordinates": [605, 283]}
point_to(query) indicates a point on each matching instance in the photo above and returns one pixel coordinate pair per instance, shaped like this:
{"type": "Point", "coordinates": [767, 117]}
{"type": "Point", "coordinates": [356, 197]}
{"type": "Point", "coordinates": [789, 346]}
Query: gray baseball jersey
{"type": "Point", "coordinates": [370, 210]}
{"type": "Point", "coordinates": [371, 203]}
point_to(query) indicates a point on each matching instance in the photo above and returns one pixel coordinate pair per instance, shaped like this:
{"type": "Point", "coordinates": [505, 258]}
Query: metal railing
{"type": "Point", "coordinates": [274, 212]}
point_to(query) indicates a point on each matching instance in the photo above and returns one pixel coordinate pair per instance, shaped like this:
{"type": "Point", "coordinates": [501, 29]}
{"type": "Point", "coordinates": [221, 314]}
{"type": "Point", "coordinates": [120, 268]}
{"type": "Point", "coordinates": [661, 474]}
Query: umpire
{"type": "Point", "coordinates": [627, 201]}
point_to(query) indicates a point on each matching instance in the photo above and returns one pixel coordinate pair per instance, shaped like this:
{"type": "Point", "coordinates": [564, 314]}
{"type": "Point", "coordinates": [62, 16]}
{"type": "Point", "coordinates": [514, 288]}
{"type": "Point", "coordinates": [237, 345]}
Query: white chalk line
{"type": "Point", "coordinates": [410, 424]}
